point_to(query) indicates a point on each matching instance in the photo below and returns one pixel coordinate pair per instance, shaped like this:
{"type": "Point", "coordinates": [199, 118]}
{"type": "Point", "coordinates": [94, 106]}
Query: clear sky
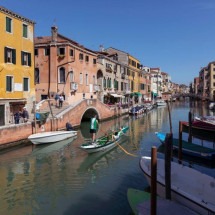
{"type": "Point", "coordinates": [176, 35]}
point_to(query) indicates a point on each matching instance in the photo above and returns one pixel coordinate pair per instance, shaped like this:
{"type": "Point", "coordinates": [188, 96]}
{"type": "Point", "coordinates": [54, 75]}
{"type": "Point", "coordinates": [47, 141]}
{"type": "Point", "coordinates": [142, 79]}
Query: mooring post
{"type": "Point", "coordinates": [168, 153]}
{"type": "Point", "coordinates": [180, 143]}
{"type": "Point", "coordinates": [190, 127]}
{"type": "Point", "coordinates": [153, 181]}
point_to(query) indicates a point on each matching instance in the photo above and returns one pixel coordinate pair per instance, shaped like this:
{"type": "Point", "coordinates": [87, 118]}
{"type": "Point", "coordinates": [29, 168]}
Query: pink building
{"type": "Point", "coordinates": [65, 67]}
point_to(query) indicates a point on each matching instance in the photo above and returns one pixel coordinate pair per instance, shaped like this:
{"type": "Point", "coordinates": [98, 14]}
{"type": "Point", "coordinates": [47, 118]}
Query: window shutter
{"type": "Point", "coordinates": [29, 59]}
{"type": "Point", "coordinates": [14, 56]}
{"type": "Point", "coordinates": [5, 54]}
{"type": "Point", "coordinates": [22, 58]}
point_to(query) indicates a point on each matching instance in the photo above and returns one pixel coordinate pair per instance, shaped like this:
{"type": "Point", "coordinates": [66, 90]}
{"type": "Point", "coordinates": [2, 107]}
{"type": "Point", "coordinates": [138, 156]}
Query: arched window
{"type": "Point", "coordinates": [62, 77]}
{"type": "Point", "coordinates": [37, 76]}
{"type": "Point", "coordinates": [104, 82]}
{"type": "Point", "coordinates": [71, 76]}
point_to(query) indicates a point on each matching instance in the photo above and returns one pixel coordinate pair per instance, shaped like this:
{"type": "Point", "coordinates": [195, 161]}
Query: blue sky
{"type": "Point", "coordinates": [176, 35]}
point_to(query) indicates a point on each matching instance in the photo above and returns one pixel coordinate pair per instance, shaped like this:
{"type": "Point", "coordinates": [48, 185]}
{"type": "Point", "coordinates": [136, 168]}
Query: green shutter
{"type": "Point", "coordinates": [29, 59]}
{"type": "Point", "coordinates": [22, 57]}
{"type": "Point", "coordinates": [5, 54]}
{"type": "Point", "coordinates": [8, 24]}
{"type": "Point", "coordinates": [14, 56]}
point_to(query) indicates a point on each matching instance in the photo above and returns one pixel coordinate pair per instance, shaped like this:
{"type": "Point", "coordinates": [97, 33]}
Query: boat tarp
{"type": "Point", "coordinates": [42, 117]}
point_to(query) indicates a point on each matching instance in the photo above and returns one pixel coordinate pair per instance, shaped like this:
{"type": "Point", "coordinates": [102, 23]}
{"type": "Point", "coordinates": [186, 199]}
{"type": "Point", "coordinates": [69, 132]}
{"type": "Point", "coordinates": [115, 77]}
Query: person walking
{"type": "Point", "coordinates": [61, 99]}
{"type": "Point", "coordinates": [17, 116]}
{"type": "Point", "coordinates": [25, 115]}
{"type": "Point", "coordinates": [93, 127]}
{"type": "Point", "coordinates": [56, 99]}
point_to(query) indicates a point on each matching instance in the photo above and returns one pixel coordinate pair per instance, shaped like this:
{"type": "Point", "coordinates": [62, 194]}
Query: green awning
{"type": "Point", "coordinates": [136, 94]}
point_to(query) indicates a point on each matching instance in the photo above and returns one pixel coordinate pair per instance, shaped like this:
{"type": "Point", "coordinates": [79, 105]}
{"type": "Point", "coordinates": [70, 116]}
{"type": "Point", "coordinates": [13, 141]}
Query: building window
{"type": "Point", "coordinates": [122, 86]}
{"type": "Point", "coordinates": [25, 30]}
{"type": "Point", "coordinates": [71, 76]}
{"type": "Point", "coordinates": [36, 52]}
{"type": "Point", "coordinates": [25, 84]}
{"type": "Point", "coordinates": [81, 56]}
{"type": "Point", "coordinates": [61, 51]}
{"type": "Point", "coordinates": [87, 81]}
{"type": "Point", "coordinates": [62, 77]}
{"type": "Point", "coordinates": [94, 79]}
{"type": "Point", "coordinates": [94, 61]}
{"type": "Point", "coordinates": [26, 58]}
{"type": "Point", "coordinates": [87, 58]}
{"type": "Point", "coordinates": [10, 55]}
{"type": "Point", "coordinates": [81, 78]}
{"type": "Point", "coordinates": [71, 52]}
{"type": "Point", "coordinates": [8, 24]}
{"type": "Point", "coordinates": [104, 83]}
{"type": "Point", "coordinates": [37, 76]}
{"type": "Point", "coordinates": [9, 83]}
{"type": "Point", "coordinates": [47, 51]}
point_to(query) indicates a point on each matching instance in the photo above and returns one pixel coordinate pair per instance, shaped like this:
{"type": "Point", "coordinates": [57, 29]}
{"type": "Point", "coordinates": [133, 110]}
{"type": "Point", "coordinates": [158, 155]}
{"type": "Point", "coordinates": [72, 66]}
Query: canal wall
{"type": "Point", "coordinates": [17, 133]}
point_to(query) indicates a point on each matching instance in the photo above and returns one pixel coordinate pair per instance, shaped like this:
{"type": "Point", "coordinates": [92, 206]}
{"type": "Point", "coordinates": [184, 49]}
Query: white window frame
{"type": "Point", "coordinates": [81, 78]}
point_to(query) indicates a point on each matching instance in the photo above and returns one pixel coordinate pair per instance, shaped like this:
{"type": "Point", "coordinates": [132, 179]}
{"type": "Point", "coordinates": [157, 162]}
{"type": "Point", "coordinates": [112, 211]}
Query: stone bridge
{"type": "Point", "coordinates": [84, 110]}
{"type": "Point", "coordinates": [191, 95]}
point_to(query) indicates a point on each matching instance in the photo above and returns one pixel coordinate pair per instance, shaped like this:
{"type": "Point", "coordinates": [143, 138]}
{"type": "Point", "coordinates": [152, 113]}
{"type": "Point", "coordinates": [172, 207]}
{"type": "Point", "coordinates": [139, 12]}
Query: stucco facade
{"type": "Point", "coordinates": [65, 67]}
{"type": "Point", "coordinates": [16, 64]}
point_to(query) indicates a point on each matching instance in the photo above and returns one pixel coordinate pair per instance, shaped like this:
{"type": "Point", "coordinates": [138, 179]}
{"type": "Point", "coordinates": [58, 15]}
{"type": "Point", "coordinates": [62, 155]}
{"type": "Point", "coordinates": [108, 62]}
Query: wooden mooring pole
{"type": "Point", "coordinates": [190, 127]}
{"type": "Point", "coordinates": [180, 143]}
{"type": "Point", "coordinates": [153, 181]}
{"type": "Point", "coordinates": [168, 156]}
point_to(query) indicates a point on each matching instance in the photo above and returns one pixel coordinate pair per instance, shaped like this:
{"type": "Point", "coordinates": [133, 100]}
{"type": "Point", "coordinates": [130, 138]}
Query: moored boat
{"type": "Point", "coordinates": [190, 149]}
{"type": "Point", "coordinates": [103, 143]}
{"type": "Point", "coordinates": [160, 102]}
{"type": "Point", "coordinates": [188, 186]}
{"type": "Point", "coordinates": [51, 137]}
{"type": "Point", "coordinates": [140, 203]}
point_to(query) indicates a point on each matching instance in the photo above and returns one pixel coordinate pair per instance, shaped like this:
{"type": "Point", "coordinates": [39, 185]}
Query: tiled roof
{"type": "Point", "coordinates": [16, 15]}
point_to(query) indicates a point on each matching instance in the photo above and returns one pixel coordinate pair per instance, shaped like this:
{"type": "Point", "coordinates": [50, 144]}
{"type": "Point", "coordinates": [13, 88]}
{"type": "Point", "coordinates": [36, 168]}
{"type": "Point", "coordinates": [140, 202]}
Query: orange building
{"type": "Point", "coordinates": [63, 66]}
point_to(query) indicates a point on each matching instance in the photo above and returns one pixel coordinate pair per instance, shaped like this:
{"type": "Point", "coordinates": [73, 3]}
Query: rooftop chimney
{"type": "Point", "coordinates": [54, 33]}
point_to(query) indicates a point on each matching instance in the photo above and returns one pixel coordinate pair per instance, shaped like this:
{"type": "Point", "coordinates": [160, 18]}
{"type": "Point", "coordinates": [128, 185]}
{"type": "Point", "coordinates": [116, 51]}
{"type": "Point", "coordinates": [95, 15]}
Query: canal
{"type": "Point", "coordinates": [62, 179]}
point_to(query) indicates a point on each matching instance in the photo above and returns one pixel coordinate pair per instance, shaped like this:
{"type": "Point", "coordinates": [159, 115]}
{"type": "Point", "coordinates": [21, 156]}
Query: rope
{"type": "Point", "coordinates": [128, 153]}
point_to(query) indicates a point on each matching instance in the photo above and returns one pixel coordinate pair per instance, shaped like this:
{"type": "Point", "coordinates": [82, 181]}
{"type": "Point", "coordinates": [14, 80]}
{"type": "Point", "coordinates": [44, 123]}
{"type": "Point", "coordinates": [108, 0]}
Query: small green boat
{"type": "Point", "coordinates": [103, 143]}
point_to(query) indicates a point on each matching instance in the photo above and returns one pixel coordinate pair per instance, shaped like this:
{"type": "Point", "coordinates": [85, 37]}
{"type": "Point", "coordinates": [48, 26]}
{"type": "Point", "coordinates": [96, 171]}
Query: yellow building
{"type": "Point", "coordinates": [134, 77]}
{"type": "Point", "coordinates": [16, 64]}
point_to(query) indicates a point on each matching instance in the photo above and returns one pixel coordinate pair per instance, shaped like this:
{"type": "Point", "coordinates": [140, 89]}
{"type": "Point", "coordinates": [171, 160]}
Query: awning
{"type": "Point", "coordinates": [117, 96]}
{"type": "Point", "coordinates": [136, 94]}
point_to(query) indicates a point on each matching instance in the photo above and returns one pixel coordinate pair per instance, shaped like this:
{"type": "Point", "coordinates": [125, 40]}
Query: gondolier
{"type": "Point", "coordinates": [93, 127]}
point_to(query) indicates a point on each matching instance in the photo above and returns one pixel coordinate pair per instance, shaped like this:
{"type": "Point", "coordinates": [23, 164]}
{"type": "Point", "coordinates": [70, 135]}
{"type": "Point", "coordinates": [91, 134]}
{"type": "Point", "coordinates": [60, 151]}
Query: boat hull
{"type": "Point", "coordinates": [188, 186]}
{"type": "Point", "coordinates": [102, 144]}
{"type": "Point", "coordinates": [190, 149]}
{"type": "Point", "coordinates": [51, 137]}
{"type": "Point", "coordinates": [93, 148]}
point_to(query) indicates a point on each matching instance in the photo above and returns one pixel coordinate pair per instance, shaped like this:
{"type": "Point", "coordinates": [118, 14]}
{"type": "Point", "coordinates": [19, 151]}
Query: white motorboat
{"type": "Point", "coordinates": [51, 137]}
{"type": "Point", "coordinates": [188, 186]}
{"type": "Point", "coordinates": [160, 102]}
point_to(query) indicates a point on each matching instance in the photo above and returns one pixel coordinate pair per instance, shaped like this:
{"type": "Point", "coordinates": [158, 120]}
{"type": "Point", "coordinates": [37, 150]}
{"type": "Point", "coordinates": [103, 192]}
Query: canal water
{"type": "Point", "coordinates": [62, 179]}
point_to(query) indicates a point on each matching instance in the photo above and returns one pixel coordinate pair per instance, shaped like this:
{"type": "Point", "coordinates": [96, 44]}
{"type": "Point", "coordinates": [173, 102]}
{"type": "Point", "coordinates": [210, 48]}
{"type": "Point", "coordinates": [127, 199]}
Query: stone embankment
{"type": "Point", "coordinates": [16, 134]}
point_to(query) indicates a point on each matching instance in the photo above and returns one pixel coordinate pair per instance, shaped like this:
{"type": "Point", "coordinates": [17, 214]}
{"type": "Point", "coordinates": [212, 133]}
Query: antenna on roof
{"type": "Point", "coordinates": [101, 48]}
{"type": "Point", "coordinates": [54, 22]}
